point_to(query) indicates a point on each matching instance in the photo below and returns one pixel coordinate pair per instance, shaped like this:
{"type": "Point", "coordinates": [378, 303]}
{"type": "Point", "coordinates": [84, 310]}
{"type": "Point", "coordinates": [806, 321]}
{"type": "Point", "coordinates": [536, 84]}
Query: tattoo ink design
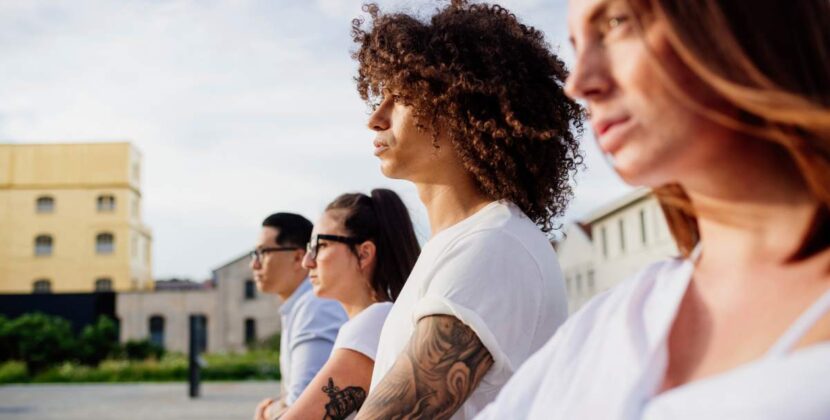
{"type": "Point", "coordinates": [343, 402]}
{"type": "Point", "coordinates": [440, 367]}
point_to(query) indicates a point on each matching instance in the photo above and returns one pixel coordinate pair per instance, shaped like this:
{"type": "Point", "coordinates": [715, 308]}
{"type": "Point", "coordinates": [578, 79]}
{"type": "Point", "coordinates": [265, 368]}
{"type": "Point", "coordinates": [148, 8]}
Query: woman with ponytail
{"type": "Point", "coordinates": [361, 253]}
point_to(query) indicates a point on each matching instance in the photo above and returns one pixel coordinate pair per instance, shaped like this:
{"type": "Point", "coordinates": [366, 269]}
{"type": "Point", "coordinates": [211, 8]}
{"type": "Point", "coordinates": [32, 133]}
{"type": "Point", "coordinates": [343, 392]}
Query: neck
{"type": "Point", "coordinates": [298, 280]}
{"type": "Point", "coordinates": [451, 202]}
{"type": "Point", "coordinates": [752, 211]}
{"type": "Point", "coordinates": [357, 304]}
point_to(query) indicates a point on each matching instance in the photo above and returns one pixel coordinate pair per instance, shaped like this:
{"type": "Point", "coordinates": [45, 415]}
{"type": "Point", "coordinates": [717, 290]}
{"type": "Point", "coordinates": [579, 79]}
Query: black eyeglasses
{"type": "Point", "coordinates": [311, 250]}
{"type": "Point", "coordinates": [257, 254]}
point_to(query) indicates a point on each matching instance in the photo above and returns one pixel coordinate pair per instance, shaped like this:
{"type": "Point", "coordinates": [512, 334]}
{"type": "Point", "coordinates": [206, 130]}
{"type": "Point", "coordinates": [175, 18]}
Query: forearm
{"type": "Point", "coordinates": [337, 391]}
{"type": "Point", "coordinates": [440, 367]}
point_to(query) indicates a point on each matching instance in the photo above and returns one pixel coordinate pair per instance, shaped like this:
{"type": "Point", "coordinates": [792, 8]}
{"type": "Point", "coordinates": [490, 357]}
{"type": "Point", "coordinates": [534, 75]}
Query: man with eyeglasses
{"type": "Point", "coordinates": [309, 324]}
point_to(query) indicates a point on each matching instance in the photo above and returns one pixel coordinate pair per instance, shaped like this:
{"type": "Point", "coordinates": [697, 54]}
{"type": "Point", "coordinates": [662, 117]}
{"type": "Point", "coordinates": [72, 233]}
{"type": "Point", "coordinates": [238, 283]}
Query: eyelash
{"type": "Point", "coordinates": [616, 21]}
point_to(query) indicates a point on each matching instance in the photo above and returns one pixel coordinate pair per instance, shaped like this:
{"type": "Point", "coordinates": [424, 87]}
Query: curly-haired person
{"type": "Point", "coordinates": [469, 106]}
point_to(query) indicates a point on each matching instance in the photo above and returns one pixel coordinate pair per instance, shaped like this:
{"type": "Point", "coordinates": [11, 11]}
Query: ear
{"type": "Point", "coordinates": [299, 255]}
{"type": "Point", "coordinates": [366, 253]}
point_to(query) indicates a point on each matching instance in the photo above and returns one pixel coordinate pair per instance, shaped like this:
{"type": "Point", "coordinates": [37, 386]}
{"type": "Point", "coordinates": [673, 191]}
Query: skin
{"type": "Point", "coordinates": [753, 207]}
{"type": "Point", "coordinates": [277, 273]}
{"type": "Point", "coordinates": [337, 273]}
{"type": "Point", "coordinates": [444, 360]}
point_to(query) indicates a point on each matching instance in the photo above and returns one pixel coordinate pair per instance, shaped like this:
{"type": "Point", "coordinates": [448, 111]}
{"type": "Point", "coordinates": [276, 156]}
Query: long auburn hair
{"type": "Point", "coordinates": [770, 60]}
{"type": "Point", "coordinates": [383, 219]}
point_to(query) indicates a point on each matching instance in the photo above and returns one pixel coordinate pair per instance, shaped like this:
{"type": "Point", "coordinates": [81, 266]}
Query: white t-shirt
{"type": "Point", "coordinates": [497, 273]}
{"type": "Point", "coordinates": [609, 360]}
{"type": "Point", "coordinates": [362, 332]}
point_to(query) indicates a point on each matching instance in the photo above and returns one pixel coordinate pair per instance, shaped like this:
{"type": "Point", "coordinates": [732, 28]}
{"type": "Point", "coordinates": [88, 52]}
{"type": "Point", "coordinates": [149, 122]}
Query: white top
{"type": "Point", "coordinates": [362, 332]}
{"type": "Point", "coordinates": [609, 359]}
{"type": "Point", "coordinates": [497, 273]}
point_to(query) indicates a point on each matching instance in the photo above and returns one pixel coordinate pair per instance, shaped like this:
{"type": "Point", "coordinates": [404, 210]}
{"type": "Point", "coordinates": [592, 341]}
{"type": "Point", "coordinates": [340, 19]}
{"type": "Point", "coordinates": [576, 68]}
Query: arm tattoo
{"type": "Point", "coordinates": [343, 402]}
{"type": "Point", "coordinates": [440, 367]}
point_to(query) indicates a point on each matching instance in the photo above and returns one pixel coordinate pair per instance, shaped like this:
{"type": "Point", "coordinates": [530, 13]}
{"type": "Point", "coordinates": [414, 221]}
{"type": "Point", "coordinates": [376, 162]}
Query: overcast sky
{"type": "Point", "coordinates": [240, 108]}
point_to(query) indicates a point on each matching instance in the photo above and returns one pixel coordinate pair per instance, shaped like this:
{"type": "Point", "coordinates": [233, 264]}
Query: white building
{"type": "Point", "coordinates": [233, 313]}
{"type": "Point", "coordinates": [611, 244]}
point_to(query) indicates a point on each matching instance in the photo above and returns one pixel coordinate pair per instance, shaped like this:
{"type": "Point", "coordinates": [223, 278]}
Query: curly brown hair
{"type": "Point", "coordinates": [493, 84]}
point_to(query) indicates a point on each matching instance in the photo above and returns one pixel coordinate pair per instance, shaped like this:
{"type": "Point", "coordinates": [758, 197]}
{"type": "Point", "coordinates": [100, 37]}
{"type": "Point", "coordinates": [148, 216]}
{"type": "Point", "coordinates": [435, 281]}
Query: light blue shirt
{"type": "Point", "coordinates": [309, 328]}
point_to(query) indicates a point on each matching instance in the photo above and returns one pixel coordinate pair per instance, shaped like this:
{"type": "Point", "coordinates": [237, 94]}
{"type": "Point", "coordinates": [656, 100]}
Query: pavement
{"type": "Point", "coordinates": [157, 401]}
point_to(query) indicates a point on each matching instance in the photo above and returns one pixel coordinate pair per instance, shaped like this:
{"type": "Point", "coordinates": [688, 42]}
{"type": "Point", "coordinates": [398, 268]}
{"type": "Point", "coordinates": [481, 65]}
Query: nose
{"type": "Point", "coordinates": [308, 263]}
{"type": "Point", "coordinates": [255, 264]}
{"type": "Point", "coordinates": [589, 78]}
{"type": "Point", "coordinates": [380, 118]}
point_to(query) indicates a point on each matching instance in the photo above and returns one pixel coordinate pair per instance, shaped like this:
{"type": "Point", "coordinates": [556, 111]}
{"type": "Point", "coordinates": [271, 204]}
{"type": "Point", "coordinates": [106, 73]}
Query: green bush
{"type": "Point", "coordinates": [98, 341]}
{"type": "Point", "coordinates": [40, 340]}
{"type": "Point", "coordinates": [13, 372]}
{"type": "Point", "coordinates": [142, 349]}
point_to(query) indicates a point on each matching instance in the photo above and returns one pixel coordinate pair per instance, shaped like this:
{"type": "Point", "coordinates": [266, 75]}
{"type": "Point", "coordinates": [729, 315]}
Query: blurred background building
{"type": "Point", "coordinates": [229, 309]}
{"type": "Point", "coordinates": [611, 244]}
{"type": "Point", "coordinates": [70, 219]}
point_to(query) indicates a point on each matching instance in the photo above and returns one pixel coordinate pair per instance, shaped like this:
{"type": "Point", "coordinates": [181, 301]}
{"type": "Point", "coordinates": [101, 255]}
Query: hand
{"type": "Point", "coordinates": [262, 409]}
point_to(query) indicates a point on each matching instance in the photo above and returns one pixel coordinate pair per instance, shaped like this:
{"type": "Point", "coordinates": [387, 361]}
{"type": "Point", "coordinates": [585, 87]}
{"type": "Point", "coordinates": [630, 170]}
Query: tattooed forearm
{"type": "Point", "coordinates": [342, 403]}
{"type": "Point", "coordinates": [440, 367]}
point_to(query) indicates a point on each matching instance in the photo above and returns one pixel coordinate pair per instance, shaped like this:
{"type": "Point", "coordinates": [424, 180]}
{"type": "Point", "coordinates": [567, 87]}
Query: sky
{"type": "Point", "coordinates": [240, 108]}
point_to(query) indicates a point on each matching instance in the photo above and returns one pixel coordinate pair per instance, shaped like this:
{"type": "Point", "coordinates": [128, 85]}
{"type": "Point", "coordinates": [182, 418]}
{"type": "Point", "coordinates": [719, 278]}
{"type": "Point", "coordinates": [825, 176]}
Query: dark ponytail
{"type": "Point", "coordinates": [384, 220]}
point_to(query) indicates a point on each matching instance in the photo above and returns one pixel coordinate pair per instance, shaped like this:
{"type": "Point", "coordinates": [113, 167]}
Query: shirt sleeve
{"type": "Point", "coordinates": [362, 333]}
{"type": "Point", "coordinates": [490, 282]}
{"type": "Point", "coordinates": [315, 330]}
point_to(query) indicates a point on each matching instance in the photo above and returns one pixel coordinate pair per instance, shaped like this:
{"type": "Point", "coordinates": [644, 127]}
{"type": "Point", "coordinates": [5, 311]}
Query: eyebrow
{"type": "Point", "coordinates": [595, 13]}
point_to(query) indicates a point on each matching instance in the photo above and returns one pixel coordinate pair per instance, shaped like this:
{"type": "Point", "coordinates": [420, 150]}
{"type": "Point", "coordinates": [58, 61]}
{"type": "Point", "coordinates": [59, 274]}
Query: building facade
{"type": "Point", "coordinates": [70, 219]}
{"type": "Point", "coordinates": [613, 243]}
{"type": "Point", "coordinates": [231, 310]}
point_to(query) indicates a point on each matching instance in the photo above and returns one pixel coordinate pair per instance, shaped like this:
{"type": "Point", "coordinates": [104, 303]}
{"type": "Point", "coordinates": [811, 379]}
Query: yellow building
{"type": "Point", "coordinates": [70, 219]}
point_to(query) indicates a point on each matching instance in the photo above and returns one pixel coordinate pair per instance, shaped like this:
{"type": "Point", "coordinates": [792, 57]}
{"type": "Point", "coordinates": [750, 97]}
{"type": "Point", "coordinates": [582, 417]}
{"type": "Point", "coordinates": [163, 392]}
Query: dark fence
{"type": "Point", "coordinates": [80, 309]}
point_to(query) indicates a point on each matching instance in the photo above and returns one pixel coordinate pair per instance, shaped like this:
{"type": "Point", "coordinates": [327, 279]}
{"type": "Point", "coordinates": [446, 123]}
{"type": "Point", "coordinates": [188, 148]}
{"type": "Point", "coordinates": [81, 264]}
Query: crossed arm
{"type": "Point", "coordinates": [440, 367]}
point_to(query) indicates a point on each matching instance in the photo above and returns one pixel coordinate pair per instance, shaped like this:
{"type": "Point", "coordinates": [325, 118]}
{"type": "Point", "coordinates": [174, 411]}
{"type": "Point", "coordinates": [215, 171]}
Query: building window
{"type": "Point", "coordinates": [134, 247]}
{"type": "Point", "coordinates": [106, 203]}
{"type": "Point", "coordinates": [568, 284]}
{"type": "Point", "coordinates": [45, 205]}
{"type": "Point", "coordinates": [42, 286]}
{"type": "Point", "coordinates": [135, 208]}
{"type": "Point", "coordinates": [157, 330]}
{"type": "Point", "coordinates": [643, 226]}
{"type": "Point", "coordinates": [250, 331]}
{"type": "Point", "coordinates": [136, 172]}
{"type": "Point", "coordinates": [621, 223]}
{"type": "Point", "coordinates": [103, 285]}
{"type": "Point", "coordinates": [250, 289]}
{"type": "Point", "coordinates": [104, 243]}
{"type": "Point", "coordinates": [43, 245]}
{"type": "Point", "coordinates": [201, 331]}
{"type": "Point", "coordinates": [591, 284]}
{"type": "Point", "coordinates": [579, 283]}
{"type": "Point", "coordinates": [604, 240]}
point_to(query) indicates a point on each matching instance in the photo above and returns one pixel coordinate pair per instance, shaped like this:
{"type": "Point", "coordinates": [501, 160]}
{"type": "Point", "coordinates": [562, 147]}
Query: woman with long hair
{"type": "Point", "coordinates": [361, 252]}
{"type": "Point", "coordinates": [723, 108]}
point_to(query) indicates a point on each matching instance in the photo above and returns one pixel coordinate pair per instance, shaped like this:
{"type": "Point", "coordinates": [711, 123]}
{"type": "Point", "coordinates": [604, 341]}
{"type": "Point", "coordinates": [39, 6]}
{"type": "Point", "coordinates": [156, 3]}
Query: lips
{"type": "Point", "coordinates": [380, 146]}
{"type": "Point", "coordinates": [611, 132]}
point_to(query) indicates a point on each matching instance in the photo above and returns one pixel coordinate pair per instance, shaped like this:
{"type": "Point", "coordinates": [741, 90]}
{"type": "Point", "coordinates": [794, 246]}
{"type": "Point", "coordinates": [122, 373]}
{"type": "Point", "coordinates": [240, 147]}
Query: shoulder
{"type": "Point", "coordinates": [362, 333]}
{"type": "Point", "coordinates": [616, 306]}
{"type": "Point", "coordinates": [314, 311]}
